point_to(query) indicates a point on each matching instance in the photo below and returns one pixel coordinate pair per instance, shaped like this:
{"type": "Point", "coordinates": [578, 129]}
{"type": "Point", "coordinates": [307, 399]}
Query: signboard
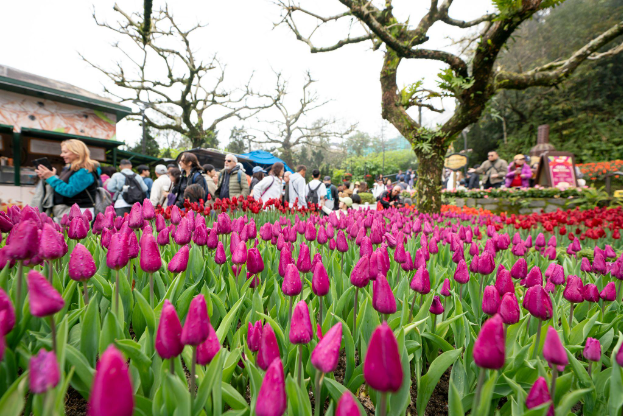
{"type": "Point", "coordinates": [557, 169]}
{"type": "Point", "coordinates": [455, 161]}
{"type": "Point", "coordinates": [53, 148]}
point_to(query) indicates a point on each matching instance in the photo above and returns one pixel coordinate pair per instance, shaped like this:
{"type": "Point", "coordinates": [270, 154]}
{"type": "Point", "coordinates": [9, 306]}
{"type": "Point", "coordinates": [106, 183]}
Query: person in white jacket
{"type": "Point", "coordinates": [378, 188]}
{"type": "Point", "coordinates": [271, 186]}
{"type": "Point", "coordinates": [161, 186]}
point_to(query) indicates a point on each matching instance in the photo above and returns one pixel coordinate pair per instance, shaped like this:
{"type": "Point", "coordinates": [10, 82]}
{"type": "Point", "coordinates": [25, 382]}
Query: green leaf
{"type": "Point", "coordinates": [213, 372]}
{"type": "Point", "coordinates": [233, 398]}
{"type": "Point", "coordinates": [295, 399]}
{"type": "Point", "coordinates": [176, 397]}
{"type": "Point", "coordinates": [430, 380]}
{"type": "Point", "coordinates": [90, 333]}
{"type": "Point", "coordinates": [615, 394]}
{"type": "Point", "coordinates": [401, 399]}
{"type": "Point", "coordinates": [12, 401]}
{"type": "Point", "coordinates": [455, 406]}
{"type": "Point", "coordinates": [569, 400]}
{"type": "Point", "coordinates": [110, 331]}
{"type": "Point", "coordinates": [147, 311]}
{"type": "Point", "coordinates": [485, 401]}
{"type": "Point", "coordinates": [132, 350]}
{"type": "Point", "coordinates": [226, 323]}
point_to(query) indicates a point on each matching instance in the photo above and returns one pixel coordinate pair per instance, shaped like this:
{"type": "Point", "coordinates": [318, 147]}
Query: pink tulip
{"type": "Point", "coordinates": [592, 350]}
{"type": "Point", "coordinates": [446, 288]}
{"type": "Point", "coordinates": [304, 263]}
{"type": "Point", "coordinates": [220, 257]}
{"type": "Point", "coordinates": [519, 269]}
{"type": "Point", "coordinates": [272, 395]}
{"type": "Point", "coordinates": [360, 274]}
{"type": "Point", "coordinates": [44, 299]}
{"type": "Point", "coordinates": [195, 330]}
{"type": "Point", "coordinates": [112, 392]}
{"type": "Point", "coordinates": [301, 326]}
{"type": "Point", "coordinates": [509, 309]}
{"type": "Point", "coordinates": [50, 246]}
{"type": "Point", "coordinates": [461, 274]}
{"type": "Point", "coordinates": [553, 351]}
{"type": "Point", "coordinates": [255, 264]}
{"type": "Point", "coordinates": [117, 255]}
{"type": "Point", "coordinates": [7, 314]}
{"type": "Point", "coordinates": [341, 242]}
{"type": "Point", "coordinates": [44, 373]}
{"type": "Point", "coordinates": [179, 261]}
{"type": "Point", "coordinates": [491, 300]}
{"type": "Point", "coordinates": [254, 335]}
{"type": "Point", "coordinates": [347, 406]}
{"type": "Point", "coordinates": [489, 347]}
{"type": "Point", "coordinates": [168, 335]}
{"type": "Point", "coordinates": [269, 350]}
{"type": "Point", "coordinates": [327, 352]}
{"type": "Point", "coordinates": [77, 229]}
{"type": "Point", "coordinates": [81, 264]}
{"type": "Point", "coordinates": [436, 306]}
{"type": "Point", "coordinates": [24, 241]}
{"type": "Point", "coordinates": [208, 349]}
{"type": "Point", "coordinates": [292, 286]}
{"type": "Point", "coordinates": [212, 241]}
{"type": "Point", "coordinates": [504, 284]}
{"type": "Point", "coordinates": [150, 260]}
{"type": "Point", "coordinates": [383, 297]}
{"type": "Point", "coordinates": [420, 283]}
{"type": "Point", "coordinates": [239, 255]}
{"type": "Point", "coordinates": [400, 255]}
{"type": "Point", "coordinates": [573, 291]}
{"type": "Point", "coordinates": [608, 293]}
{"type": "Point", "coordinates": [538, 303]}
{"type": "Point", "coordinates": [382, 365]}
{"type": "Point", "coordinates": [320, 280]}
{"type": "Point", "coordinates": [590, 293]}
{"type": "Point", "coordinates": [585, 265]}
{"type": "Point", "coordinates": [538, 395]}
{"type": "Point", "coordinates": [534, 278]}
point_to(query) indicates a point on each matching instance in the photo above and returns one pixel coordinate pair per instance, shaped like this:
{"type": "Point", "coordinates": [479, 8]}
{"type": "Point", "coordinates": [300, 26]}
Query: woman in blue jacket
{"type": "Point", "coordinates": [77, 182]}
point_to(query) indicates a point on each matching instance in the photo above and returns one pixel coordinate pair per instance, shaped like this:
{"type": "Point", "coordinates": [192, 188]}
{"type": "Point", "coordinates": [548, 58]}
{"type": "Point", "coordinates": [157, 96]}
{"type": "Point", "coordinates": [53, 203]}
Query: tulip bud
{"type": "Point", "coordinates": [327, 352]}
{"type": "Point", "coordinates": [519, 250]}
{"type": "Point", "coordinates": [599, 265]}
{"type": "Point", "coordinates": [585, 265]}
{"type": "Point", "coordinates": [169, 332]}
{"type": "Point", "coordinates": [446, 288]}
{"type": "Point", "coordinates": [436, 306]}
{"type": "Point", "coordinates": [400, 255]}
{"type": "Point", "coordinates": [382, 365]}
{"type": "Point", "coordinates": [212, 241]}
{"type": "Point", "coordinates": [491, 300]}
{"type": "Point", "coordinates": [254, 335]}
{"type": "Point", "coordinates": [618, 356]}
{"type": "Point", "coordinates": [553, 350]}
{"type": "Point", "coordinates": [291, 285]}
{"type": "Point", "coordinates": [50, 247]}
{"type": "Point", "coordinates": [592, 350]}
{"type": "Point", "coordinates": [220, 256]}
{"type": "Point", "coordinates": [7, 314]}
{"type": "Point", "coordinates": [304, 263]}
{"type": "Point", "coordinates": [590, 293]}
{"type": "Point", "coordinates": [534, 278]}
{"type": "Point", "coordinates": [347, 405]}
{"type": "Point", "coordinates": [5, 223]}
{"type": "Point", "coordinates": [44, 373]}
{"type": "Point", "coordinates": [182, 234]}
{"type": "Point", "coordinates": [550, 253]}
{"type": "Point", "coordinates": [383, 297]}
{"type": "Point", "coordinates": [538, 303]}
{"type": "Point", "coordinates": [272, 395]}
{"type": "Point", "coordinates": [81, 264]}
{"type": "Point", "coordinates": [195, 330]}
{"type": "Point", "coordinates": [509, 309]}
{"type": "Point", "coordinates": [320, 280]}
{"type": "Point", "coordinates": [573, 291]}
{"type": "Point", "coordinates": [420, 282]}
{"type": "Point", "coordinates": [200, 235]}
{"type": "Point", "coordinates": [461, 273]}
{"type": "Point", "coordinates": [269, 349]}
{"type": "Point", "coordinates": [112, 392]}
{"type": "Point", "coordinates": [239, 255]}
{"type": "Point", "coordinates": [300, 324]}
{"type": "Point", "coordinates": [360, 273]}
{"type": "Point", "coordinates": [538, 395]}
{"type": "Point", "coordinates": [207, 350]}
{"type": "Point", "coordinates": [179, 262]}
{"type": "Point", "coordinates": [150, 260]}
{"type": "Point", "coordinates": [135, 219]}
{"type": "Point", "coordinates": [285, 260]}
{"type": "Point", "coordinates": [117, 255]}
{"type": "Point", "coordinates": [366, 247]}
{"type": "Point", "coordinates": [255, 264]}
{"type": "Point", "coordinates": [44, 299]}
{"type": "Point", "coordinates": [24, 239]}
{"type": "Point", "coordinates": [407, 265]}
{"type": "Point", "coordinates": [608, 293]}
{"type": "Point", "coordinates": [77, 229]}
{"type": "Point", "coordinates": [489, 347]}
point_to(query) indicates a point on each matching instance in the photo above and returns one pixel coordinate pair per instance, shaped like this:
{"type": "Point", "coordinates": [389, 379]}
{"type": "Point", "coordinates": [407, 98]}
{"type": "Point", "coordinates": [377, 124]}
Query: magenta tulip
{"type": "Point", "coordinates": [538, 303]}
{"type": "Point", "coordinates": [585, 265]}
{"type": "Point", "coordinates": [179, 261]}
{"type": "Point", "coordinates": [347, 406]}
{"type": "Point", "coordinates": [384, 301]}
{"type": "Point", "coordinates": [461, 274]}
{"type": "Point", "coordinates": [590, 293]}
{"type": "Point", "coordinates": [195, 330]}
{"type": "Point", "coordinates": [538, 395]}
{"type": "Point", "coordinates": [573, 291]}
{"type": "Point", "coordinates": [504, 284]}
{"type": "Point", "coordinates": [534, 278]}
{"type": "Point", "coordinates": [255, 264]}
{"type": "Point", "coordinates": [208, 349]}
{"type": "Point", "coordinates": [304, 263]}
{"type": "Point", "coordinates": [608, 293]}
{"type": "Point", "coordinates": [327, 352]}
{"type": "Point", "coordinates": [553, 351]}
{"type": "Point", "coordinates": [23, 242]}
{"type": "Point", "coordinates": [291, 285]}
{"type": "Point", "coordinates": [301, 327]}
{"type": "Point", "coordinates": [618, 356]}
{"type": "Point", "coordinates": [320, 280]}
{"type": "Point", "coordinates": [81, 264]}
{"type": "Point", "coordinates": [7, 314]}
{"type": "Point", "coordinates": [272, 395]}
{"type": "Point", "coordinates": [592, 350]}
{"type": "Point", "coordinates": [489, 347]}
{"type": "Point", "coordinates": [117, 255]}
{"type": "Point", "coordinates": [446, 288]}
{"type": "Point", "coordinates": [509, 309]}
{"type": "Point", "coordinates": [360, 274]}
{"type": "Point", "coordinates": [44, 299]}
{"type": "Point", "coordinates": [269, 349]}
{"type": "Point", "coordinates": [519, 269]}
{"type": "Point", "coordinates": [168, 335]}
{"type": "Point", "coordinates": [420, 282]}
{"type": "Point", "coordinates": [77, 229]}
{"type": "Point", "coordinates": [254, 335]}
{"type": "Point", "coordinates": [436, 306]}
{"type": "Point", "coordinates": [44, 373]}
{"type": "Point", "coordinates": [112, 392]}
{"type": "Point", "coordinates": [51, 247]}
{"type": "Point", "coordinates": [491, 300]}
{"type": "Point", "coordinates": [382, 365]}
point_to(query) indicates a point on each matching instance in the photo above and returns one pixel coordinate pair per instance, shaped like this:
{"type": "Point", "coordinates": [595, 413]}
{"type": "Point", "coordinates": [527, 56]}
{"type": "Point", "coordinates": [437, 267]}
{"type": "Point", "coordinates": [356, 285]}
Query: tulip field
{"type": "Point", "coordinates": [240, 310]}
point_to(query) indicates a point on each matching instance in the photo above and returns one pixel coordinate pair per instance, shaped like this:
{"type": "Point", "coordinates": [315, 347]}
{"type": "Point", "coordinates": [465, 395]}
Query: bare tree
{"type": "Point", "coordinates": [290, 128]}
{"type": "Point", "coordinates": [162, 71]}
{"type": "Point", "coordinates": [472, 81]}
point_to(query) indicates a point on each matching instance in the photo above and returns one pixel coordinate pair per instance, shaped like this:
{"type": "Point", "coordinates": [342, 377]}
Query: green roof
{"type": "Point", "coordinates": [106, 143]}
{"type": "Point", "coordinates": [137, 157]}
{"type": "Point", "coordinates": [22, 82]}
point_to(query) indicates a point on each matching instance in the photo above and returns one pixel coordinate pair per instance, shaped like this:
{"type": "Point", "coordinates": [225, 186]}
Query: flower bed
{"type": "Point", "coordinates": [598, 170]}
{"type": "Point", "coordinates": [256, 311]}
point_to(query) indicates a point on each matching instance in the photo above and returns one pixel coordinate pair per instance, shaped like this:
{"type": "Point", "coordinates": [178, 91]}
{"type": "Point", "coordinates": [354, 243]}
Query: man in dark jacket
{"type": "Point", "coordinates": [331, 200]}
{"type": "Point", "coordinates": [391, 198]}
{"type": "Point", "coordinates": [232, 180]}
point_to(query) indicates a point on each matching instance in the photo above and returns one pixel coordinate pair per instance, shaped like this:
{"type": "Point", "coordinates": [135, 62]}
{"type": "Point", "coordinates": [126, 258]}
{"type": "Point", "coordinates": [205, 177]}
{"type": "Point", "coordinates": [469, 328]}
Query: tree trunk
{"type": "Point", "coordinates": [429, 181]}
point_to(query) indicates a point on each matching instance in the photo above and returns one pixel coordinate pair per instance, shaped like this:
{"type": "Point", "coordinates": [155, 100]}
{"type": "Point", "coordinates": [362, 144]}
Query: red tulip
{"type": "Point", "coordinates": [112, 392]}
{"type": "Point", "coordinates": [382, 365]}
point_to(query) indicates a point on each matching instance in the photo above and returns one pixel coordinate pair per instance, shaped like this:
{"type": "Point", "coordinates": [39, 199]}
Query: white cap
{"type": "Point", "coordinates": [160, 169]}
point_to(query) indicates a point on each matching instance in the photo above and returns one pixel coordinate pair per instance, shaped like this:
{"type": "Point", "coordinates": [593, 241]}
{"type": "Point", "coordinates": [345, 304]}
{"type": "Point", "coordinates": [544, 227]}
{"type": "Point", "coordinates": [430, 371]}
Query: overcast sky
{"type": "Point", "coordinates": [44, 37]}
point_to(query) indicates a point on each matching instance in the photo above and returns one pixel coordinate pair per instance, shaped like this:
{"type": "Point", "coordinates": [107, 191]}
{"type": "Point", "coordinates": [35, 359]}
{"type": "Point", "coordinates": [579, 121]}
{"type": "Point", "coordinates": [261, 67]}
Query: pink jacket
{"type": "Point", "coordinates": [525, 174]}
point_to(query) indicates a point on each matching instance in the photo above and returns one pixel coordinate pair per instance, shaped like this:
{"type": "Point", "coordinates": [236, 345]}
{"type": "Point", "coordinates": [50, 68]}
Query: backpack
{"type": "Point", "coordinates": [312, 197]}
{"type": "Point", "coordinates": [133, 193]}
{"type": "Point", "coordinates": [102, 197]}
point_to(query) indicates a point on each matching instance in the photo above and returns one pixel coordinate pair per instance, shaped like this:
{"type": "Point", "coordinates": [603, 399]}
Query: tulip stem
{"type": "Point", "coordinates": [433, 319]}
{"type": "Point", "coordinates": [477, 396]}
{"type": "Point", "coordinates": [85, 293]}
{"type": "Point", "coordinates": [290, 312]}
{"type": "Point", "coordinates": [571, 315]}
{"type": "Point", "coordinates": [50, 271]}
{"type": "Point", "coordinates": [537, 337]}
{"type": "Point", "coordinates": [151, 285]}
{"type": "Point", "coordinates": [412, 307]}
{"type": "Point", "coordinates": [602, 308]}
{"type": "Point", "coordinates": [193, 364]}
{"type": "Point", "coordinates": [355, 311]}
{"type": "Point", "coordinates": [172, 365]}
{"type": "Point", "coordinates": [317, 394]}
{"type": "Point", "coordinates": [53, 328]}
{"type": "Point", "coordinates": [382, 403]}
{"type": "Point", "coordinates": [48, 402]}
{"type": "Point", "coordinates": [321, 310]}
{"type": "Point", "coordinates": [588, 369]}
{"type": "Point", "coordinates": [116, 304]}
{"type": "Point", "coordinates": [460, 292]}
{"type": "Point", "coordinates": [20, 277]}
{"type": "Point", "coordinates": [553, 382]}
{"type": "Point", "coordinates": [300, 366]}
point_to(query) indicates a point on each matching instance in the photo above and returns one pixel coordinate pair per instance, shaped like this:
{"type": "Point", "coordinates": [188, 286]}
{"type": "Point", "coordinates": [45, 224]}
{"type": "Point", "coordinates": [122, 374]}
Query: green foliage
{"type": "Point", "coordinates": [151, 145]}
{"type": "Point", "coordinates": [374, 163]}
{"type": "Point", "coordinates": [450, 82]}
{"type": "Point", "coordinates": [237, 143]}
{"type": "Point", "coordinates": [366, 197]}
{"type": "Point", "coordinates": [593, 197]}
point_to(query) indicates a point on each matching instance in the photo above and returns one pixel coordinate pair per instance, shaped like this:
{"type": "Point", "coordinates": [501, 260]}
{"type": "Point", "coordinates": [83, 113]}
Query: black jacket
{"type": "Point", "coordinates": [386, 198]}
{"type": "Point", "coordinates": [196, 177]}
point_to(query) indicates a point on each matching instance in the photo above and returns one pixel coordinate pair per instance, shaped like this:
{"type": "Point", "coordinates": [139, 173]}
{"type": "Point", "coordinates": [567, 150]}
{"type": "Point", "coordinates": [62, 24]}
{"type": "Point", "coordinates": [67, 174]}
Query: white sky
{"type": "Point", "coordinates": [44, 37]}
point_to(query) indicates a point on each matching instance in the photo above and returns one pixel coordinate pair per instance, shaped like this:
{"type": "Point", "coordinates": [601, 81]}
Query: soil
{"type": "Point", "coordinates": [75, 404]}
